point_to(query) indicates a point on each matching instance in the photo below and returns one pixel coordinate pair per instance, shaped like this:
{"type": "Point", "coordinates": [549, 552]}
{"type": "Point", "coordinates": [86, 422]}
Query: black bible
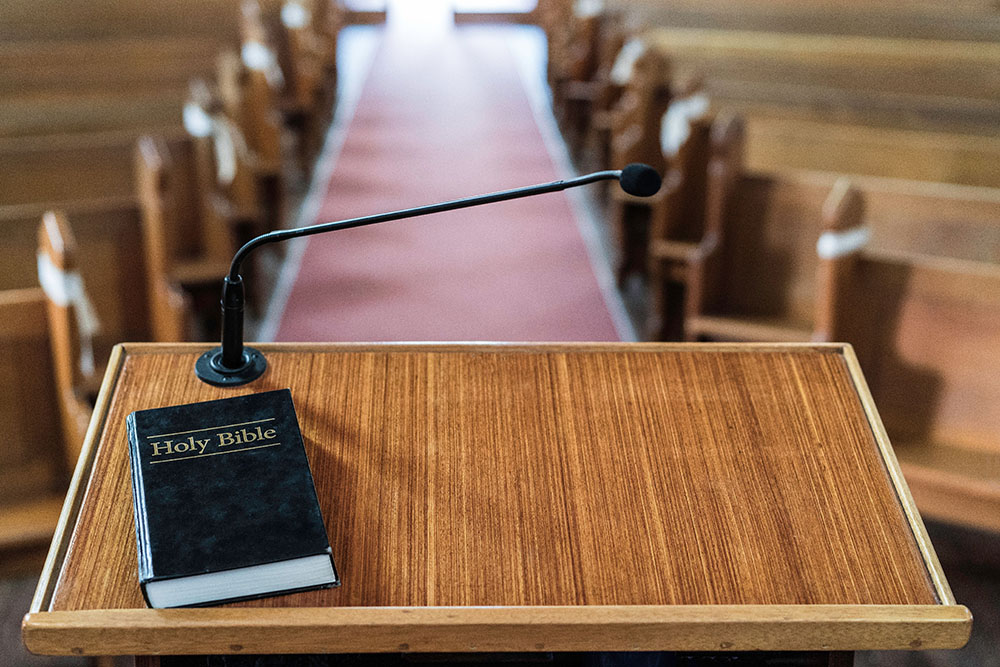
{"type": "Point", "coordinates": [225, 506]}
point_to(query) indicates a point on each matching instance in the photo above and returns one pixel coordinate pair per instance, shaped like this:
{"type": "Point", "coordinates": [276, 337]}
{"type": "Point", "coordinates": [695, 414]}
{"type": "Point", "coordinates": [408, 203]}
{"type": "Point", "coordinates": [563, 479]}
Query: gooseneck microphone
{"type": "Point", "coordinates": [233, 364]}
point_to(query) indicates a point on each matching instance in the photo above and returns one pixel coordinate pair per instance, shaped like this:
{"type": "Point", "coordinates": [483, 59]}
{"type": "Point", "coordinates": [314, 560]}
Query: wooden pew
{"type": "Point", "coordinates": [573, 52]}
{"type": "Point", "coordinates": [588, 93]}
{"type": "Point", "coordinates": [32, 467]}
{"type": "Point", "coordinates": [766, 286]}
{"type": "Point", "coordinates": [636, 137]}
{"type": "Point", "coordinates": [918, 68]}
{"type": "Point", "coordinates": [765, 266]}
{"type": "Point", "coordinates": [684, 233]}
{"type": "Point", "coordinates": [108, 238]}
{"type": "Point", "coordinates": [224, 168]}
{"type": "Point", "coordinates": [267, 86]}
{"type": "Point", "coordinates": [306, 33]}
{"type": "Point", "coordinates": [108, 228]}
{"type": "Point", "coordinates": [810, 102]}
{"type": "Point", "coordinates": [926, 332]}
{"type": "Point", "coordinates": [263, 132]}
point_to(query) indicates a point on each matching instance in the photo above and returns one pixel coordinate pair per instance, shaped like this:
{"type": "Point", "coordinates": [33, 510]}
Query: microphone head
{"type": "Point", "coordinates": [640, 180]}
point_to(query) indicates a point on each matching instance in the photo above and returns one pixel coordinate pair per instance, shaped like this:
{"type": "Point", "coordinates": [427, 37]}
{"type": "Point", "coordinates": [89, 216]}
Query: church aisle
{"type": "Point", "coordinates": [444, 114]}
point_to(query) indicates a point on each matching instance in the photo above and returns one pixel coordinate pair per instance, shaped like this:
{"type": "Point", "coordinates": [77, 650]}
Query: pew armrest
{"type": "Point", "coordinates": [678, 252]}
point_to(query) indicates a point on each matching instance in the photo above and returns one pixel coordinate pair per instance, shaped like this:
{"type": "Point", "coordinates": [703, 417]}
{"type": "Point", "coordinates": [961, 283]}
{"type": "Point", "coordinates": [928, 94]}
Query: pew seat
{"type": "Point", "coordinates": [26, 530]}
{"type": "Point", "coordinates": [748, 328]}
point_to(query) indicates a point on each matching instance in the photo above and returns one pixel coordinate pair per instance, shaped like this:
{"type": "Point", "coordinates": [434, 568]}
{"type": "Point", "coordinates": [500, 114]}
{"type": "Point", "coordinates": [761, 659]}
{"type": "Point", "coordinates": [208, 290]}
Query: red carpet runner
{"type": "Point", "coordinates": [442, 117]}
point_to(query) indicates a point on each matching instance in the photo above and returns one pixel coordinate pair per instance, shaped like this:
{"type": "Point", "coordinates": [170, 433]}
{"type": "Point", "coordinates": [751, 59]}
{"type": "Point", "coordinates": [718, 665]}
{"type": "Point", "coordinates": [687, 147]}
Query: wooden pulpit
{"type": "Point", "coordinates": [523, 498]}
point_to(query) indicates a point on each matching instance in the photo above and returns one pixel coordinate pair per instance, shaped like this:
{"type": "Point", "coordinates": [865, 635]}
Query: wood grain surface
{"type": "Point", "coordinates": [559, 477]}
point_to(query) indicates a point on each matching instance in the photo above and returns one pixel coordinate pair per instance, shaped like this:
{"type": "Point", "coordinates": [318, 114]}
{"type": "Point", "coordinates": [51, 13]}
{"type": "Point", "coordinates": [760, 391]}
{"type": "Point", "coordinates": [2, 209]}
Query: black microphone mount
{"type": "Point", "coordinates": [233, 364]}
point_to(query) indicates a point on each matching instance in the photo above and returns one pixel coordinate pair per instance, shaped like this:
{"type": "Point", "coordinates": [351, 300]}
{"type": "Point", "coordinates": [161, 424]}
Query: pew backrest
{"type": "Point", "coordinates": [927, 334]}
{"type": "Point", "coordinates": [170, 231]}
{"type": "Point", "coordinates": [768, 260]}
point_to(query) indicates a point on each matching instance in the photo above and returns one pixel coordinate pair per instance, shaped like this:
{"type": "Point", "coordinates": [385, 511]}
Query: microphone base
{"type": "Point", "coordinates": [209, 368]}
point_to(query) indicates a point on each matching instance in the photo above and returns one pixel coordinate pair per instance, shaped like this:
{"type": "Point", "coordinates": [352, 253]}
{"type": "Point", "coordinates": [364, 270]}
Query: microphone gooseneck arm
{"type": "Point", "coordinates": [232, 364]}
{"type": "Point", "coordinates": [503, 195]}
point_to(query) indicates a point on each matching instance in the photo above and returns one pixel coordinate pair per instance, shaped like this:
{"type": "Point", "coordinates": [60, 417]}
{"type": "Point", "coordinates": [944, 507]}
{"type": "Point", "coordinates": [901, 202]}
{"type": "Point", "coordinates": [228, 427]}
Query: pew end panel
{"type": "Point", "coordinates": [33, 470]}
{"type": "Point", "coordinates": [72, 323]}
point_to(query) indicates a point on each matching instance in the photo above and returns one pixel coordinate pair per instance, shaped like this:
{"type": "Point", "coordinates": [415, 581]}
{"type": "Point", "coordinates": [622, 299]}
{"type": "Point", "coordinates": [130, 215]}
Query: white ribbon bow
{"type": "Point", "coordinates": [227, 139]}
{"type": "Point", "coordinates": [259, 58]}
{"type": "Point", "coordinates": [675, 126]}
{"type": "Point", "coordinates": [586, 9]}
{"type": "Point", "coordinates": [625, 61]}
{"type": "Point", "coordinates": [65, 288]}
{"type": "Point", "coordinates": [832, 245]}
{"type": "Point", "coordinates": [294, 15]}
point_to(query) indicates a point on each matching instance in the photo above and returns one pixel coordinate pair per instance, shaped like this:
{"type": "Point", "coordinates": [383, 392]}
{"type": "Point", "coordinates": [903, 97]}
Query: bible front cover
{"type": "Point", "coordinates": [225, 505]}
